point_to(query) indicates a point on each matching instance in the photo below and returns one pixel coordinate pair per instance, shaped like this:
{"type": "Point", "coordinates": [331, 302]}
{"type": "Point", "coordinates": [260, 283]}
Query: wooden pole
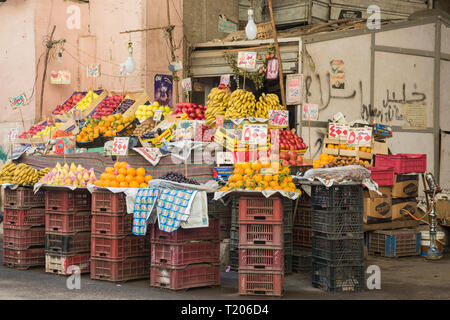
{"type": "Point", "coordinates": [49, 47]}
{"type": "Point", "coordinates": [172, 52]}
{"type": "Point", "coordinates": [277, 48]}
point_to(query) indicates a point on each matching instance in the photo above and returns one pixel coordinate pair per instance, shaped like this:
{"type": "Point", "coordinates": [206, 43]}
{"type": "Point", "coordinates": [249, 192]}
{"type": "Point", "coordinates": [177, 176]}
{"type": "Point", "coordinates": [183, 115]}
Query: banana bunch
{"type": "Point", "coordinates": [21, 174]}
{"type": "Point", "coordinates": [267, 102]}
{"type": "Point", "coordinates": [241, 105]}
{"type": "Point", "coordinates": [217, 104]}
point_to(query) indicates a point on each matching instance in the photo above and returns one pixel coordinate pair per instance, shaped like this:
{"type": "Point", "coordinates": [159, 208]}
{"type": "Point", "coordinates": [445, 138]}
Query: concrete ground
{"type": "Point", "coordinates": [402, 278]}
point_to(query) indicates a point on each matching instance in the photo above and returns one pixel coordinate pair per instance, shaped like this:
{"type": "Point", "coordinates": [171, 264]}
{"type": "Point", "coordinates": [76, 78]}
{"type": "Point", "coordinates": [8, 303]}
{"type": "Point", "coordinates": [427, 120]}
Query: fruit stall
{"type": "Point", "coordinates": [130, 189]}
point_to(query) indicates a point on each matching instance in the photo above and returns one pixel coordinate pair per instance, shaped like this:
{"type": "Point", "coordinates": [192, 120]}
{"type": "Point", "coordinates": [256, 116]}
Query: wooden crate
{"type": "Point", "coordinates": [139, 98]}
{"type": "Point", "coordinates": [347, 153]}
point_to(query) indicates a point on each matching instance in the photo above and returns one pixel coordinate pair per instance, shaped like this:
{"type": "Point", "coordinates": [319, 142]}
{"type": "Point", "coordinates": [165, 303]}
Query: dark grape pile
{"type": "Point", "coordinates": [178, 177]}
{"type": "Point", "coordinates": [124, 106]}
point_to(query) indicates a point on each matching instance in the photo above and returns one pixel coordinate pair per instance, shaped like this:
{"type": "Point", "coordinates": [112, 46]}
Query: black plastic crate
{"type": "Point", "coordinates": [302, 218]}
{"type": "Point", "coordinates": [287, 263]}
{"type": "Point", "coordinates": [338, 252]}
{"type": "Point", "coordinates": [337, 279]}
{"type": "Point", "coordinates": [301, 259]}
{"type": "Point", "coordinates": [57, 244]}
{"type": "Point", "coordinates": [337, 198]}
{"type": "Point", "coordinates": [337, 224]}
{"type": "Point", "coordinates": [234, 260]}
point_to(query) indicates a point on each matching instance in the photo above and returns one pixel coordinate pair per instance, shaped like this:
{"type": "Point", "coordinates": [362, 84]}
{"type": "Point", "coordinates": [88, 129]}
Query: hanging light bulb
{"type": "Point", "coordinates": [251, 30]}
{"type": "Point", "coordinates": [60, 54]}
{"type": "Point", "coordinates": [130, 65]}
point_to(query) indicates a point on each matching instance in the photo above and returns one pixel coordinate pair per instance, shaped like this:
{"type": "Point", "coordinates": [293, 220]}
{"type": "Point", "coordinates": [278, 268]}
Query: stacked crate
{"type": "Point", "coordinates": [287, 234]}
{"type": "Point", "coordinates": [218, 210]}
{"type": "Point", "coordinates": [185, 258]}
{"type": "Point", "coordinates": [261, 250]}
{"type": "Point", "coordinates": [116, 254]}
{"type": "Point", "coordinates": [23, 228]}
{"type": "Point", "coordinates": [302, 232]}
{"type": "Point", "coordinates": [338, 237]}
{"type": "Point", "coordinates": [67, 231]}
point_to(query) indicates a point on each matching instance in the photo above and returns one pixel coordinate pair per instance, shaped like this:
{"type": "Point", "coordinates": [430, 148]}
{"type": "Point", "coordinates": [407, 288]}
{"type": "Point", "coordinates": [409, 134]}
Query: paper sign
{"type": "Point", "coordinates": [163, 89]}
{"type": "Point", "coordinates": [224, 157]}
{"type": "Point", "coordinates": [272, 69]}
{"type": "Point", "coordinates": [225, 79]}
{"type": "Point", "coordinates": [294, 89]}
{"type": "Point", "coordinates": [65, 145]}
{"type": "Point", "coordinates": [185, 130]}
{"type": "Point", "coordinates": [186, 84]}
{"type": "Point", "coordinates": [279, 118]}
{"type": "Point", "coordinates": [254, 134]}
{"type": "Point", "coordinates": [246, 60]}
{"type": "Point", "coordinates": [360, 136]}
{"type": "Point", "coordinates": [338, 130]}
{"type": "Point", "coordinates": [13, 134]}
{"type": "Point", "coordinates": [120, 146]}
{"type": "Point", "coordinates": [219, 120]}
{"type": "Point", "coordinates": [60, 77]}
{"type": "Point", "coordinates": [310, 112]}
{"type": "Point", "coordinates": [19, 101]}
{"type": "Point", "coordinates": [158, 114]}
{"type": "Point", "coordinates": [152, 155]}
{"type": "Point", "coordinates": [77, 115]}
{"type": "Point", "coordinates": [415, 115]}
{"type": "Point", "coordinates": [337, 75]}
{"type": "Point", "coordinates": [175, 66]}
{"type": "Point", "coordinates": [93, 71]}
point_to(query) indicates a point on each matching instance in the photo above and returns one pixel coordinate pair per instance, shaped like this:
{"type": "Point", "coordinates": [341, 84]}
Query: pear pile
{"type": "Point", "coordinates": [241, 105]}
{"type": "Point", "coordinates": [75, 176]}
{"type": "Point", "coordinates": [20, 174]}
{"type": "Point", "coordinates": [217, 104]}
{"type": "Point", "coordinates": [267, 102]}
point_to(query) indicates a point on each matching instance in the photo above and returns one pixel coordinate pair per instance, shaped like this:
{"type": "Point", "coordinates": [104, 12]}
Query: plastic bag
{"type": "Point", "coordinates": [328, 176]}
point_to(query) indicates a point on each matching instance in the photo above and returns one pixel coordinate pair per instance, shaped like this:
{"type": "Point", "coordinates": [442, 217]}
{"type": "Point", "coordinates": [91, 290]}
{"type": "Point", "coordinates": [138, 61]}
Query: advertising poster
{"type": "Point", "coordinates": [163, 89]}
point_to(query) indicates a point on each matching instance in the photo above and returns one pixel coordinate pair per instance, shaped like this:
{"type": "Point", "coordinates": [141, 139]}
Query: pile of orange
{"type": "Point", "coordinates": [123, 176]}
{"type": "Point", "coordinates": [260, 176]}
{"type": "Point", "coordinates": [107, 126]}
{"type": "Point", "coordinates": [323, 160]}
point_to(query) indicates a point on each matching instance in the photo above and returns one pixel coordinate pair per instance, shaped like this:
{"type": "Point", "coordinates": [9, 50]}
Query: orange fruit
{"type": "Point", "coordinates": [120, 178]}
{"type": "Point", "coordinates": [143, 185]}
{"type": "Point", "coordinates": [139, 179]}
{"type": "Point", "coordinates": [140, 172]}
{"type": "Point", "coordinates": [134, 184]}
{"type": "Point", "coordinates": [131, 172]}
{"type": "Point", "coordinates": [267, 178]}
{"type": "Point", "coordinates": [117, 165]}
{"type": "Point", "coordinates": [148, 178]}
{"type": "Point", "coordinates": [248, 171]}
{"type": "Point", "coordinates": [114, 184]}
{"type": "Point", "coordinates": [106, 183]}
{"type": "Point", "coordinates": [238, 170]}
{"type": "Point", "coordinates": [98, 183]}
{"type": "Point", "coordinates": [109, 170]}
{"type": "Point", "coordinates": [124, 164]}
{"type": "Point", "coordinates": [123, 171]}
{"type": "Point", "coordinates": [129, 178]}
{"type": "Point", "coordinates": [256, 166]}
{"type": "Point", "coordinates": [246, 165]}
{"type": "Point", "coordinates": [104, 176]}
{"type": "Point", "coordinates": [124, 184]}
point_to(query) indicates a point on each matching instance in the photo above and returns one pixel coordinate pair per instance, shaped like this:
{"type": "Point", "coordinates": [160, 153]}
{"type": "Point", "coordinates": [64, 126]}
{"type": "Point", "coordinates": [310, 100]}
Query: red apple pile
{"type": "Point", "coordinates": [289, 140]}
{"type": "Point", "coordinates": [33, 130]}
{"type": "Point", "coordinates": [69, 104]}
{"type": "Point", "coordinates": [107, 106]}
{"type": "Point", "coordinates": [194, 112]}
{"type": "Point", "coordinates": [290, 158]}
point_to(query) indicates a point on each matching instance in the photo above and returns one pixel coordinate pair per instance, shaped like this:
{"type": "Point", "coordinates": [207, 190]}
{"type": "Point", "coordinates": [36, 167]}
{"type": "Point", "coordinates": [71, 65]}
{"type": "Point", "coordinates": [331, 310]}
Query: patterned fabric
{"type": "Point", "coordinates": [172, 208]}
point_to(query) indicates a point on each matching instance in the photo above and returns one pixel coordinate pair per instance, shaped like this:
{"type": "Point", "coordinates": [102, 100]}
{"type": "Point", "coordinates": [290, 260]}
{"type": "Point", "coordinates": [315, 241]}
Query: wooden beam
{"type": "Point", "coordinates": [49, 47]}
{"type": "Point", "coordinates": [396, 224]}
{"type": "Point", "coordinates": [244, 49]}
{"type": "Point", "coordinates": [277, 48]}
{"type": "Point", "coordinates": [147, 29]}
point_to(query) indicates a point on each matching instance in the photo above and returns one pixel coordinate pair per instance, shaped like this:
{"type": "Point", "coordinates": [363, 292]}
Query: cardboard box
{"type": "Point", "coordinates": [443, 209]}
{"type": "Point", "coordinates": [408, 204]}
{"type": "Point", "coordinates": [380, 147]}
{"type": "Point", "coordinates": [405, 186]}
{"type": "Point", "coordinates": [377, 209]}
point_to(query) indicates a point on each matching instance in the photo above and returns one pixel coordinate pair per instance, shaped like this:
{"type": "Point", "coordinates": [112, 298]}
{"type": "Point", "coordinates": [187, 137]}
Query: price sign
{"type": "Point", "coordinates": [219, 120]}
{"type": "Point", "coordinates": [310, 111]}
{"type": "Point", "coordinates": [60, 77]}
{"type": "Point", "coordinates": [338, 130]}
{"type": "Point", "coordinates": [93, 71]}
{"type": "Point", "coordinates": [272, 69]}
{"type": "Point", "coordinates": [186, 84]}
{"type": "Point", "coordinates": [13, 134]}
{"type": "Point", "coordinates": [77, 115]}
{"type": "Point", "coordinates": [158, 114]}
{"type": "Point", "coordinates": [294, 88]}
{"type": "Point", "coordinates": [360, 136]}
{"type": "Point", "coordinates": [120, 146]}
{"type": "Point", "coordinates": [17, 102]}
{"type": "Point", "coordinates": [279, 118]}
{"type": "Point", "coordinates": [225, 79]}
{"type": "Point", "coordinates": [246, 60]}
{"type": "Point", "coordinates": [254, 134]}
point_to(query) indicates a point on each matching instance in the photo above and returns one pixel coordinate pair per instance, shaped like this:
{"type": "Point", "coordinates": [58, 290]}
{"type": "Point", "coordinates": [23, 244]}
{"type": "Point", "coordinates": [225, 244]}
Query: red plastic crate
{"type": "Point", "coordinates": [212, 232]}
{"type": "Point", "coordinates": [256, 209]}
{"type": "Point", "coordinates": [261, 234]}
{"type": "Point", "coordinates": [57, 244]}
{"type": "Point", "coordinates": [67, 201]}
{"type": "Point", "coordinates": [302, 237]}
{"type": "Point", "coordinates": [384, 176]}
{"type": "Point", "coordinates": [23, 219]}
{"type": "Point", "coordinates": [265, 283]}
{"type": "Point", "coordinates": [23, 198]}
{"type": "Point", "coordinates": [67, 224]}
{"type": "Point", "coordinates": [109, 202]}
{"type": "Point", "coordinates": [23, 239]}
{"type": "Point", "coordinates": [105, 225]}
{"type": "Point", "coordinates": [60, 264]}
{"type": "Point", "coordinates": [191, 276]}
{"type": "Point", "coordinates": [24, 259]}
{"type": "Point", "coordinates": [261, 258]}
{"type": "Point", "coordinates": [303, 217]}
{"type": "Point", "coordinates": [128, 269]}
{"type": "Point", "coordinates": [403, 162]}
{"type": "Point", "coordinates": [118, 249]}
{"type": "Point", "coordinates": [180, 255]}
